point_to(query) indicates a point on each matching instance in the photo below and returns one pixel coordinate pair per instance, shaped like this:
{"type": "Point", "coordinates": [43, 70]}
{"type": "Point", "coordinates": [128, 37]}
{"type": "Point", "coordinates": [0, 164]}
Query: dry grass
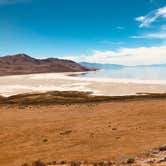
{"type": "Point", "coordinates": [66, 97]}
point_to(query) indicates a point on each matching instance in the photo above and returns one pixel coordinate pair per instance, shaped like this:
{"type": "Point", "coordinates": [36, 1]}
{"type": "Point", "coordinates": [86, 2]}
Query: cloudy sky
{"type": "Point", "coordinates": [128, 32]}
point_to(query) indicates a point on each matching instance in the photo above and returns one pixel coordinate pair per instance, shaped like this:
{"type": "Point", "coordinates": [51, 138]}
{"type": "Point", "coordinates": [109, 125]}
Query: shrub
{"type": "Point", "coordinates": [162, 148]}
{"type": "Point", "coordinates": [101, 163]}
{"type": "Point", "coordinates": [54, 162]}
{"type": "Point", "coordinates": [45, 140]}
{"type": "Point", "coordinates": [38, 163]}
{"type": "Point", "coordinates": [109, 163]}
{"type": "Point", "coordinates": [131, 161]}
{"type": "Point", "coordinates": [73, 163]}
{"type": "Point", "coordinates": [63, 162]}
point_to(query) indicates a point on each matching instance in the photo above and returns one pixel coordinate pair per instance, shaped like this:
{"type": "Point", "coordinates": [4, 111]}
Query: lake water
{"type": "Point", "coordinates": [140, 73]}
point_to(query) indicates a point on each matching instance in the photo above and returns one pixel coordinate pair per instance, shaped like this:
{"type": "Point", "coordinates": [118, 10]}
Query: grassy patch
{"type": "Point", "coordinates": [67, 97]}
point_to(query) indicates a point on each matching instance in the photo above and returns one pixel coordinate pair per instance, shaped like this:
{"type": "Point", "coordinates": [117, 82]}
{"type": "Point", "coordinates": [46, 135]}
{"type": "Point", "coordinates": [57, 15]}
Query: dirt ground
{"type": "Point", "coordinates": [81, 132]}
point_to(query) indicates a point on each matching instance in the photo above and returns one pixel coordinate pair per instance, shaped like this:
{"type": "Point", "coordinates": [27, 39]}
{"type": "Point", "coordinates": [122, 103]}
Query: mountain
{"type": "Point", "coordinates": [24, 64]}
{"type": "Point", "coordinates": [116, 66]}
{"type": "Point", "coordinates": [101, 66]}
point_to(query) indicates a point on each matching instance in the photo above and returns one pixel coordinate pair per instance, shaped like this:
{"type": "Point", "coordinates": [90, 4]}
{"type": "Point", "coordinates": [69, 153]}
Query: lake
{"type": "Point", "coordinates": [140, 73]}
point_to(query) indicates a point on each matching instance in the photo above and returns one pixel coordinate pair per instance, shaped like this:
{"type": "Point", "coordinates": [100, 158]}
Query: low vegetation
{"type": "Point", "coordinates": [130, 161]}
{"type": "Point", "coordinates": [70, 97]}
{"type": "Point", "coordinates": [35, 163]}
{"type": "Point", "coordinates": [71, 163]}
{"type": "Point", "coordinates": [38, 163]}
{"type": "Point", "coordinates": [66, 132]}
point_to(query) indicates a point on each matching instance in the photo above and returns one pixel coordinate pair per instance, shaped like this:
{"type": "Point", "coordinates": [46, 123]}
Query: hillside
{"type": "Point", "coordinates": [24, 64]}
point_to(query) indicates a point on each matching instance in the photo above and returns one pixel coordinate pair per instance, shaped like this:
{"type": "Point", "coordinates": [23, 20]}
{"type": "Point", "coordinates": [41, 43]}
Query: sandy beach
{"type": "Point", "coordinates": [11, 85]}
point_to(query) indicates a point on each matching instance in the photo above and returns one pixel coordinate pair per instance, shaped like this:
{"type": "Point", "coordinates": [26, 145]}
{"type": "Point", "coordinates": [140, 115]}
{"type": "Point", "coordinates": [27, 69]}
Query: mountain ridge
{"type": "Point", "coordinates": [116, 66]}
{"type": "Point", "coordinates": [25, 64]}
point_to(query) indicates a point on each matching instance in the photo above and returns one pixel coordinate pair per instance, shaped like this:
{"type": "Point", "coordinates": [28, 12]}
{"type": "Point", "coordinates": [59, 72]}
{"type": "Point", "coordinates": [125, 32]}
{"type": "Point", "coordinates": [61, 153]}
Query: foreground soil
{"type": "Point", "coordinates": [99, 131]}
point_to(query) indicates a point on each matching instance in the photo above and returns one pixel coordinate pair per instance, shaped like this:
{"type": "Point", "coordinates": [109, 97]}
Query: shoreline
{"type": "Point", "coordinates": [75, 76]}
{"type": "Point", "coordinates": [40, 83]}
{"type": "Point", "coordinates": [114, 80]}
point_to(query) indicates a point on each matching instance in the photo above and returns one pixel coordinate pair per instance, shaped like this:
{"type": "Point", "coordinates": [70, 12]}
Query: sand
{"type": "Point", "coordinates": [11, 85]}
{"type": "Point", "coordinates": [94, 132]}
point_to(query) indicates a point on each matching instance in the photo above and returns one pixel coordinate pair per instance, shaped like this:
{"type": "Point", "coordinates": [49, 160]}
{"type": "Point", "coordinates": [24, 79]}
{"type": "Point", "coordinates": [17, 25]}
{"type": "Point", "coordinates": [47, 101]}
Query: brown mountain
{"type": "Point", "coordinates": [24, 64]}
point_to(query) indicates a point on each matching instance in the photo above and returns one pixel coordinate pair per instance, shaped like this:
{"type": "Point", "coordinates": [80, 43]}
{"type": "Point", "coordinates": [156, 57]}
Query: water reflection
{"type": "Point", "coordinates": [142, 73]}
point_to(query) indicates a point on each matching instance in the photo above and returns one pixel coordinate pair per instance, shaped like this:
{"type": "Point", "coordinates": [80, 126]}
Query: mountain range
{"type": "Point", "coordinates": [116, 66]}
{"type": "Point", "coordinates": [24, 64]}
{"type": "Point", "coordinates": [101, 65]}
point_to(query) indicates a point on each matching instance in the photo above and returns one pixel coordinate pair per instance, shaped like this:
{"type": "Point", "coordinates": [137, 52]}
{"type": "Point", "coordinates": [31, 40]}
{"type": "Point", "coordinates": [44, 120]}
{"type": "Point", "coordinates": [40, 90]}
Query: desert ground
{"type": "Point", "coordinates": [100, 131]}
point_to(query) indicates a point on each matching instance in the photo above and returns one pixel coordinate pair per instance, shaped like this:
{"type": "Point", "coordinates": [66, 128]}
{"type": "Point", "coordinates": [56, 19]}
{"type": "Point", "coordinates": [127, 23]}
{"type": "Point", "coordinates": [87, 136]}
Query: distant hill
{"type": "Point", "coordinates": [116, 66]}
{"type": "Point", "coordinates": [101, 66]}
{"type": "Point", "coordinates": [24, 64]}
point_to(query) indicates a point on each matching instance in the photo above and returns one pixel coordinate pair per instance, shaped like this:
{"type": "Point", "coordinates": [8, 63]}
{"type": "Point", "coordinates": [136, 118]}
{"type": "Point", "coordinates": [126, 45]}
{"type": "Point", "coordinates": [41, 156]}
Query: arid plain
{"type": "Point", "coordinates": [99, 131]}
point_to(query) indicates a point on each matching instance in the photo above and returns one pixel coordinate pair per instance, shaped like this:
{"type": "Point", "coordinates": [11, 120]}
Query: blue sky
{"type": "Point", "coordinates": [107, 31]}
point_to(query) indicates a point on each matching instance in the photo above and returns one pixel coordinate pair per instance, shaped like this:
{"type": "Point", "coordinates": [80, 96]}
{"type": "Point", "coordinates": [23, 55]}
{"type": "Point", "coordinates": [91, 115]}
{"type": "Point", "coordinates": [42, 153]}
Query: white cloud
{"type": "Point", "coordinates": [160, 35]}
{"type": "Point", "coordinates": [147, 20]}
{"type": "Point", "coordinates": [126, 56]}
{"type": "Point", "coordinates": [162, 12]}
{"type": "Point", "coordinates": [141, 18]}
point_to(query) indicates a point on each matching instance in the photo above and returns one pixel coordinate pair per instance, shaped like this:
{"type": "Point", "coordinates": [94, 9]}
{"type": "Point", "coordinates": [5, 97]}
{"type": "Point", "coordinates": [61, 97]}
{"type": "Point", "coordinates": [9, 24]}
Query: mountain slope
{"type": "Point", "coordinates": [24, 64]}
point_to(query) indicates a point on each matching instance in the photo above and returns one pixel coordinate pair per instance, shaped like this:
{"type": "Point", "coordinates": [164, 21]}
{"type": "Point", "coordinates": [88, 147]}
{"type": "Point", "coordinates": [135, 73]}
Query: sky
{"type": "Point", "coordinates": [128, 32]}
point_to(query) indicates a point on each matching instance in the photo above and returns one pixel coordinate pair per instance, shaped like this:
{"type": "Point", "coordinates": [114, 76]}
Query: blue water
{"type": "Point", "coordinates": [140, 73]}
